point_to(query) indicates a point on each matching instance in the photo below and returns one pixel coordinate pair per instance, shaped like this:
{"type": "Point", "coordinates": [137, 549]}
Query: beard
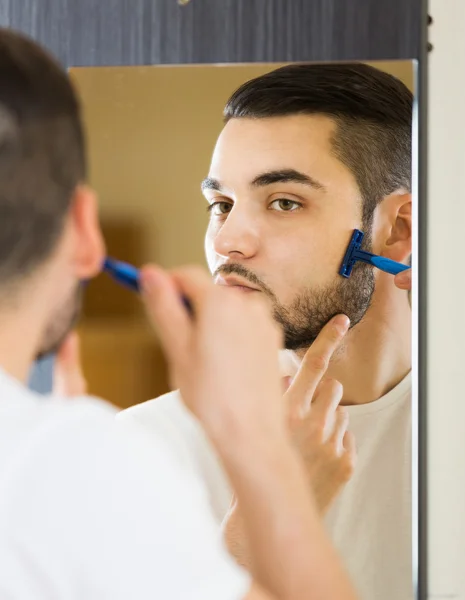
{"type": "Point", "coordinates": [303, 320]}
{"type": "Point", "coordinates": [311, 309]}
{"type": "Point", "coordinates": [63, 321]}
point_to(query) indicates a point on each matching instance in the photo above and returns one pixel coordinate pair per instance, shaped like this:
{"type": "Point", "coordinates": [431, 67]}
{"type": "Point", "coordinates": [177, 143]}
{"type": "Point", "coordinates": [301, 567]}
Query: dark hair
{"type": "Point", "coordinates": [372, 110]}
{"type": "Point", "coordinates": [42, 154]}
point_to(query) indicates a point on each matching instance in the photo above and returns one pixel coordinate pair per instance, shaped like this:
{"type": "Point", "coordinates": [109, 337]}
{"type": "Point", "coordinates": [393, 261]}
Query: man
{"type": "Point", "coordinates": [87, 510]}
{"type": "Point", "coordinates": [308, 153]}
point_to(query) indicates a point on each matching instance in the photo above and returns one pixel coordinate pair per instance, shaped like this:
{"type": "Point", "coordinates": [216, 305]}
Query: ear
{"type": "Point", "coordinates": [393, 227]}
{"type": "Point", "coordinates": [88, 244]}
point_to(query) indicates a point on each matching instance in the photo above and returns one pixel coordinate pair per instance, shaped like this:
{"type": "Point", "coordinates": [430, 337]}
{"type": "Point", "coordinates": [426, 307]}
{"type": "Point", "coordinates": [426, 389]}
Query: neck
{"type": "Point", "coordinates": [16, 350]}
{"type": "Point", "coordinates": [21, 323]}
{"type": "Point", "coordinates": [376, 354]}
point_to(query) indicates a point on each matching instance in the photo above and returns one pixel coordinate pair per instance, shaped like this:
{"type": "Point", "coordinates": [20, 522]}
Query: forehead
{"type": "Point", "coordinates": [248, 146]}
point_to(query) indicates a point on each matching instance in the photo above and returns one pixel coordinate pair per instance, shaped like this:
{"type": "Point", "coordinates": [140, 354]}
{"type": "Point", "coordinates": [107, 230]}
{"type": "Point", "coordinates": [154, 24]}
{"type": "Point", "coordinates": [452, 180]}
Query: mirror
{"type": "Point", "coordinates": [286, 192]}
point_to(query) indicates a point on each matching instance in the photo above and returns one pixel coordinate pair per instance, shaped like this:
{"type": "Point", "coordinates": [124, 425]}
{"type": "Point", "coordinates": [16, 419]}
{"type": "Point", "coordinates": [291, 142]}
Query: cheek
{"type": "Point", "coordinates": [327, 257]}
{"type": "Point", "coordinates": [310, 264]}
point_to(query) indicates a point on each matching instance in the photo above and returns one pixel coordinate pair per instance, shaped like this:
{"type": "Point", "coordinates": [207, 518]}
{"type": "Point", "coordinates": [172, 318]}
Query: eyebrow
{"type": "Point", "coordinates": [269, 178]}
{"type": "Point", "coordinates": [286, 176]}
{"type": "Point", "coordinates": [211, 184]}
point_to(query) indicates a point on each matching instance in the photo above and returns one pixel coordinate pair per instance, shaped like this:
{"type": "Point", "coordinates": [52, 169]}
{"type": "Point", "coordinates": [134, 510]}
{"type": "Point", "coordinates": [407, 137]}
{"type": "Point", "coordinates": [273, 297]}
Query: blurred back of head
{"type": "Point", "coordinates": [42, 155]}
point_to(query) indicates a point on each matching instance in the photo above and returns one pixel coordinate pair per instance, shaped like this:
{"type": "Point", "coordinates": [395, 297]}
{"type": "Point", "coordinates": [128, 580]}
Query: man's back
{"type": "Point", "coordinates": [70, 480]}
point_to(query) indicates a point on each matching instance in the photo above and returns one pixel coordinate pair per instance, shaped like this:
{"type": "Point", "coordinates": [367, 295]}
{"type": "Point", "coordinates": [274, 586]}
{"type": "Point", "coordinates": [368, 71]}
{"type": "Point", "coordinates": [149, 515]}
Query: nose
{"type": "Point", "coordinates": [238, 237]}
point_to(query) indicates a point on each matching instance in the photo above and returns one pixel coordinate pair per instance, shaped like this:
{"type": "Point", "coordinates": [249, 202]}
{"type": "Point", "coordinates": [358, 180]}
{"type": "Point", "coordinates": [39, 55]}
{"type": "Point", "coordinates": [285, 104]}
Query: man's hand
{"type": "Point", "coordinates": [403, 280]}
{"type": "Point", "coordinates": [326, 446]}
{"type": "Point", "coordinates": [225, 359]}
{"type": "Point", "coordinates": [68, 378]}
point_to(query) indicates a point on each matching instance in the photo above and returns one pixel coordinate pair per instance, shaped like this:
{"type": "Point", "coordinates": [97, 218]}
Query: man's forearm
{"type": "Point", "coordinates": [290, 553]}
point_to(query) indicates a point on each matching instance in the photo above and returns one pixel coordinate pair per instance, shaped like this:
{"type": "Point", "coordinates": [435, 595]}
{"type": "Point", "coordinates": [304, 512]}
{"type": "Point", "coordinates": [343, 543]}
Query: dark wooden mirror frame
{"type": "Point", "coordinates": [151, 32]}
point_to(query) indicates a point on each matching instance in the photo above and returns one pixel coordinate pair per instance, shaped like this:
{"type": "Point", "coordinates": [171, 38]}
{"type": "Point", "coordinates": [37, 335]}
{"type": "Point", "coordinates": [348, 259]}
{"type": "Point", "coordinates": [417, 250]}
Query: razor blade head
{"type": "Point", "coordinates": [349, 257]}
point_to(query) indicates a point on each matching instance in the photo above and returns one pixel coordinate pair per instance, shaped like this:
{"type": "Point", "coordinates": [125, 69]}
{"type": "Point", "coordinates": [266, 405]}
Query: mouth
{"type": "Point", "coordinates": [236, 282]}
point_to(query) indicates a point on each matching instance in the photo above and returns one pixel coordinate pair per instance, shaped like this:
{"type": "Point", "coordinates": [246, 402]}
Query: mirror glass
{"type": "Point", "coordinates": [307, 156]}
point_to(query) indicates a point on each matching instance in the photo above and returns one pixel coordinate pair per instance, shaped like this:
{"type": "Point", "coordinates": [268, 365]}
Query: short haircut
{"type": "Point", "coordinates": [372, 111]}
{"type": "Point", "coordinates": [42, 154]}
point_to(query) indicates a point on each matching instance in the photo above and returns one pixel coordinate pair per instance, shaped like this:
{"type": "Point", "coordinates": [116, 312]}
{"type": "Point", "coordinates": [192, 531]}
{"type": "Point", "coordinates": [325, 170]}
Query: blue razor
{"type": "Point", "coordinates": [123, 273]}
{"type": "Point", "coordinates": [354, 254]}
{"type": "Point", "coordinates": [129, 276]}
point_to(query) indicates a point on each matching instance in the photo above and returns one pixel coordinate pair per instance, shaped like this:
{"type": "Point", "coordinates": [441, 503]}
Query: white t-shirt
{"type": "Point", "coordinates": [91, 510]}
{"type": "Point", "coordinates": [370, 523]}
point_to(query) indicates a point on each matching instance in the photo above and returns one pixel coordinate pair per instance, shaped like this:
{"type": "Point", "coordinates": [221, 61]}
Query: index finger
{"type": "Point", "coordinates": [315, 362]}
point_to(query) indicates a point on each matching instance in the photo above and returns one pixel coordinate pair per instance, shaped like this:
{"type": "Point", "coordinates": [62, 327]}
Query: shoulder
{"type": "Point", "coordinates": [69, 439]}
{"type": "Point", "coordinates": [70, 475]}
{"type": "Point", "coordinates": [29, 422]}
{"type": "Point", "coordinates": [169, 407]}
{"type": "Point", "coordinates": [71, 454]}
{"type": "Point", "coordinates": [168, 420]}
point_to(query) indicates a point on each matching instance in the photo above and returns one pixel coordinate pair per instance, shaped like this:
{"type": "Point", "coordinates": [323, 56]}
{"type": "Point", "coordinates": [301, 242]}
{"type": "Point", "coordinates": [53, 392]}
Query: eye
{"type": "Point", "coordinates": [285, 205]}
{"type": "Point", "coordinates": [219, 208]}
